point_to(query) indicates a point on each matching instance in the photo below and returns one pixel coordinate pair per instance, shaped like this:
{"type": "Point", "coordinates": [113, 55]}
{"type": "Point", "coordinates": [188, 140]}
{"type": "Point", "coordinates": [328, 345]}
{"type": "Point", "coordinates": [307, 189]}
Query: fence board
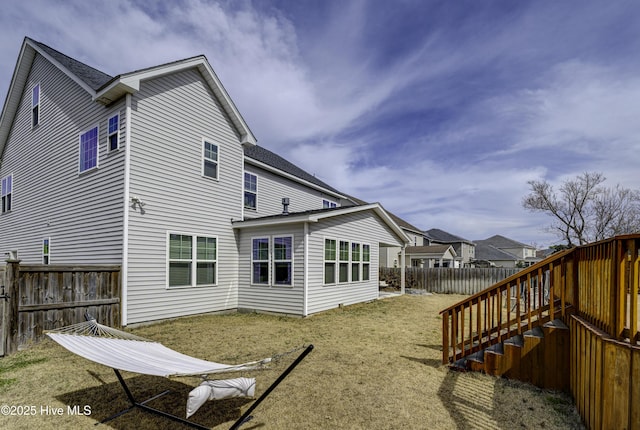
{"type": "Point", "coordinates": [50, 296]}
{"type": "Point", "coordinates": [445, 280]}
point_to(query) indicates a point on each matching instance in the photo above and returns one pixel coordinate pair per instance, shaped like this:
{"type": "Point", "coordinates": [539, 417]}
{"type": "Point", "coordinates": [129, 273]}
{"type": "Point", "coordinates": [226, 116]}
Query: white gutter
{"type": "Point", "coordinates": [305, 286]}
{"type": "Point", "coordinates": [124, 270]}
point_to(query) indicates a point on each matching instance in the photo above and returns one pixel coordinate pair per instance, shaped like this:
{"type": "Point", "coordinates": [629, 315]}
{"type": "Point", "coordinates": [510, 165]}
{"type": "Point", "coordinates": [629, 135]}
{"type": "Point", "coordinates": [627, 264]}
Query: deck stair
{"type": "Point", "coordinates": [538, 356]}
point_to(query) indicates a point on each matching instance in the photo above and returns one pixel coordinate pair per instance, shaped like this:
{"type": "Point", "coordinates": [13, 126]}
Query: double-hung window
{"type": "Point", "coordinates": [329, 261]}
{"type": "Point", "coordinates": [7, 191]}
{"type": "Point", "coordinates": [355, 262]}
{"type": "Point", "coordinates": [45, 250]}
{"type": "Point", "coordinates": [272, 260]}
{"type": "Point", "coordinates": [89, 150]}
{"type": "Point", "coordinates": [250, 191]}
{"type": "Point", "coordinates": [35, 106]}
{"type": "Point", "coordinates": [282, 260]}
{"type": "Point", "coordinates": [343, 268]}
{"type": "Point", "coordinates": [210, 160]}
{"type": "Point", "coordinates": [206, 260]}
{"type": "Point", "coordinates": [113, 133]}
{"type": "Point", "coordinates": [366, 262]}
{"type": "Point", "coordinates": [190, 267]}
{"type": "Point", "coordinates": [260, 261]}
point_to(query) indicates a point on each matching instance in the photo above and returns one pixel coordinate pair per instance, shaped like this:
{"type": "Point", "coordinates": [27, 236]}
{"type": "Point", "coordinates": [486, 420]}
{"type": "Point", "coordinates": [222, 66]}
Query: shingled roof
{"type": "Point", "coordinates": [94, 78]}
{"type": "Point", "coordinates": [442, 236]}
{"type": "Point", "coordinates": [272, 159]}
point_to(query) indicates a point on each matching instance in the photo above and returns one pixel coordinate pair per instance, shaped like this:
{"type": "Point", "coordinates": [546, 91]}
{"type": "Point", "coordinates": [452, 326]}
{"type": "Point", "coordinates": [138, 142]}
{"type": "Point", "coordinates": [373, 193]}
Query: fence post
{"type": "Point", "coordinates": [12, 290]}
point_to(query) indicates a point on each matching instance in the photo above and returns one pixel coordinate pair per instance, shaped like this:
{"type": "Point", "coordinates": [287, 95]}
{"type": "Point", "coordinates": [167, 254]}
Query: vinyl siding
{"type": "Point", "coordinates": [82, 214]}
{"type": "Point", "coordinates": [272, 188]}
{"type": "Point", "coordinates": [274, 298]}
{"type": "Point", "coordinates": [361, 227]}
{"type": "Point", "coordinates": [170, 117]}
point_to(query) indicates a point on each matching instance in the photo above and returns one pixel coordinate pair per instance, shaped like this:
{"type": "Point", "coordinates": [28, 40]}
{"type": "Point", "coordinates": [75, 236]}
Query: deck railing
{"type": "Point", "coordinates": [598, 282]}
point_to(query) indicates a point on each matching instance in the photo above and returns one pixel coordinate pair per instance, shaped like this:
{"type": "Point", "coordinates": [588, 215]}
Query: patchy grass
{"type": "Point", "coordinates": [375, 366]}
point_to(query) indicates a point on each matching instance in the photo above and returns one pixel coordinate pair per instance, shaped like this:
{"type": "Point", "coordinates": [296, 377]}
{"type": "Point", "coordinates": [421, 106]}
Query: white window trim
{"type": "Point", "coordinates": [117, 133]}
{"type": "Point", "coordinates": [274, 261]}
{"type": "Point", "coordinates": [271, 261]}
{"type": "Point", "coordinates": [362, 245]}
{"type": "Point", "coordinates": [48, 254]}
{"type": "Point", "coordinates": [330, 203]}
{"type": "Point", "coordinates": [349, 262]}
{"type": "Point", "coordinates": [268, 261]}
{"type": "Point", "coordinates": [244, 191]}
{"type": "Point", "coordinates": [39, 105]}
{"type": "Point", "coordinates": [334, 261]}
{"type": "Point", "coordinates": [194, 260]}
{"type": "Point", "coordinates": [3, 193]}
{"type": "Point", "coordinates": [203, 159]}
{"type": "Point", "coordinates": [82, 172]}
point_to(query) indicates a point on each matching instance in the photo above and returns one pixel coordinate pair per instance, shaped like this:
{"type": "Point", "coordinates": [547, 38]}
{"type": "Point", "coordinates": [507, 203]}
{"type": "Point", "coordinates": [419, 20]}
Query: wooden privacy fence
{"type": "Point", "coordinates": [594, 290]}
{"type": "Point", "coordinates": [446, 280]}
{"type": "Point", "coordinates": [44, 297]}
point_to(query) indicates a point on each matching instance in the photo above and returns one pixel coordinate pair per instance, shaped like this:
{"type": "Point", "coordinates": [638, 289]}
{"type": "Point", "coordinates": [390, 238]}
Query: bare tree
{"type": "Point", "coordinates": [583, 210]}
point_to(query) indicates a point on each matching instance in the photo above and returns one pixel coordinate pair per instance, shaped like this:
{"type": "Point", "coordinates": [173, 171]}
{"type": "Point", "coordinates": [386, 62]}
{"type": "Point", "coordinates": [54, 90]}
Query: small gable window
{"type": "Point", "coordinates": [113, 135]}
{"type": "Point", "coordinates": [89, 150]}
{"type": "Point", "coordinates": [6, 190]}
{"type": "Point", "coordinates": [250, 191]}
{"type": "Point", "coordinates": [210, 160]}
{"type": "Point", "coordinates": [328, 204]}
{"type": "Point", "coordinates": [35, 106]}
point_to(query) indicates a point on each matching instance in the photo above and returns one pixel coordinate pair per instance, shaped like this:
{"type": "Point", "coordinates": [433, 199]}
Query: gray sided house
{"type": "Point", "coordinates": [465, 249]}
{"type": "Point", "coordinates": [156, 170]}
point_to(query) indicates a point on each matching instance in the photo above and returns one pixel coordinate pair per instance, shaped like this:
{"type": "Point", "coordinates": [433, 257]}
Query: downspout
{"type": "Point", "coordinates": [124, 270]}
{"type": "Point", "coordinates": [305, 287]}
{"type": "Point", "coordinates": [403, 267]}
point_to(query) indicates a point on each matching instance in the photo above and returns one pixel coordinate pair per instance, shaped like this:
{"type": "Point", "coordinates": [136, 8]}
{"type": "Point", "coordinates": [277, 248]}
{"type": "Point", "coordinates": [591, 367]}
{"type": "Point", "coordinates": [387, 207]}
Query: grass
{"type": "Point", "coordinates": [374, 366]}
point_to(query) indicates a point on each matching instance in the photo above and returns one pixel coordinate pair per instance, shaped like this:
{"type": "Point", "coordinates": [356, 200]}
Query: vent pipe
{"type": "Point", "coordinates": [285, 206]}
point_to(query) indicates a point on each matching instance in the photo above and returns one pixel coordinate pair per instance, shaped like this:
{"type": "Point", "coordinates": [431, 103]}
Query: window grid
{"type": "Point", "coordinates": [210, 160]}
{"type": "Point", "coordinates": [192, 260]}
{"type": "Point", "coordinates": [113, 133]}
{"type": "Point", "coordinates": [250, 191]}
{"type": "Point", "coordinates": [282, 260]}
{"type": "Point", "coordinates": [260, 261]}
{"type": "Point", "coordinates": [329, 261]}
{"type": "Point", "coordinates": [6, 189]}
{"type": "Point", "coordinates": [89, 150]}
{"type": "Point", "coordinates": [45, 250]}
{"type": "Point", "coordinates": [35, 106]}
{"type": "Point", "coordinates": [328, 204]}
{"type": "Point", "coordinates": [366, 265]}
{"type": "Point", "coordinates": [343, 268]}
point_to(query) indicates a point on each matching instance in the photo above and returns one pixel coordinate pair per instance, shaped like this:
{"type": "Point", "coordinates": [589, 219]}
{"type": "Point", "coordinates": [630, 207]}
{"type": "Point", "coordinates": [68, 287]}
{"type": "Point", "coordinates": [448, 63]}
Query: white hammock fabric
{"type": "Point", "coordinates": [124, 351]}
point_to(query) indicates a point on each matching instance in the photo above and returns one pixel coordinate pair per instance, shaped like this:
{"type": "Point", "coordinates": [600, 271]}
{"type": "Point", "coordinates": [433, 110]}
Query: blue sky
{"type": "Point", "coordinates": [439, 110]}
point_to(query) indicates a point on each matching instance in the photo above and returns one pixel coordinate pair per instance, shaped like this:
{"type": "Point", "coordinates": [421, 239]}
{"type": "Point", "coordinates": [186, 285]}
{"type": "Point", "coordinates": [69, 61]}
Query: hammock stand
{"type": "Point", "coordinates": [72, 337]}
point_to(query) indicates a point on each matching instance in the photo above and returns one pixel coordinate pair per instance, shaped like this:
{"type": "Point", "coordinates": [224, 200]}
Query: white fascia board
{"type": "Point", "coordinates": [374, 207]}
{"type": "Point", "coordinates": [292, 177]}
{"type": "Point", "coordinates": [285, 219]}
{"type": "Point", "coordinates": [14, 94]}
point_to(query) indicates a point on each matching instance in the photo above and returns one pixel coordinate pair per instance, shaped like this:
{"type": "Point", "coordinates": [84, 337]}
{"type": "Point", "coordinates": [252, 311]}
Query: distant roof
{"type": "Point", "coordinates": [272, 159]}
{"type": "Point", "coordinates": [485, 251]}
{"type": "Point", "coordinates": [94, 78]}
{"type": "Point", "coordinates": [431, 249]}
{"type": "Point", "coordinates": [442, 236]}
{"type": "Point", "coordinates": [503, 242]}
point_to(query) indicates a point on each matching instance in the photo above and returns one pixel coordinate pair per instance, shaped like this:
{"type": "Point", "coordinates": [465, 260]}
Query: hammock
{"type": "Point", "coordinates": [124, 351]}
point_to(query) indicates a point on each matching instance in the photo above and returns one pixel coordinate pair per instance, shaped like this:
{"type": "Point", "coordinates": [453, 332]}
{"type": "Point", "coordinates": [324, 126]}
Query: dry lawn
{"type": "Point", "coordinates": [375, 366]}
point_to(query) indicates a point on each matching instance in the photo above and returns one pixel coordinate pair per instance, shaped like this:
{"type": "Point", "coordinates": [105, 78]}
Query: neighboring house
{"type": "Point", "coordinates": [156, 170]}
{"type": "Point", "coordinates": [465, 249]}
{"type": "Point", "coordinates": [505, 252]}
{"type": "Point", "coordinates": [392, 256]}
{"type": "Point", "coordinates": [430, 256]}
